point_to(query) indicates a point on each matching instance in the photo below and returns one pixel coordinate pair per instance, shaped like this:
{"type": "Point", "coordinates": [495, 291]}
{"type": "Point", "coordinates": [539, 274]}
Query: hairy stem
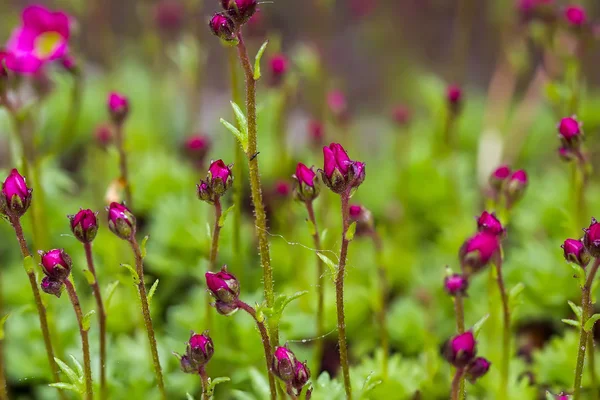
{"type": "Point", "coordinates": [16, 223]}
{"type": "Point", "coordinates": [505, 331]}
{"type": "Point", "coordinates": [119, 134]}
{"type": "Point", "coordinates": [3, 388]}
{"type": "Point", "coordinates": [383, 292]}
{"type": "Point", "coordinates": [586, 306]}
{"type": "Point", "coordinates": [204, 383]}
{"type": "Point", "coordinates": [255, 185]}
{"type": "Point", "coordinates": [139, 265]}
{"type": "Point", "coordinates": [89, 394]}
{"type": "Point", "coordinates": [459, 310]}
{"type": "Point", "coordinates": [101, 317]}
{"type": "Point", "coordinates": [320, 288]}
{"type": "Point", "coordinates": [339, 294]}
{"type": "Point", "coordinates": [458, 378]}
{"type": "Point", "coordinates": [266, 344]}
{"type": "Point", "coordinates": [215, 237]}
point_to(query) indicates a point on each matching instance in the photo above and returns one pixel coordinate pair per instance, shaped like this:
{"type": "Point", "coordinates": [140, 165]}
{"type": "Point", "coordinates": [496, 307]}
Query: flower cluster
{"type": "Point", "coordinates": [199, 351]}
{"type": "Point", "coordinates": [218, 180]}
{"type": "Point", "coordinates": [461, 351]}
{"type": "Point", "coordinates": [56, 265]}
{"type": "Point", "coordinates": [291, 371]}
{"type": "Point", "coordinates": [15, 198]}
{"type": "Point", "coordinates": [225, 288]}
{"type": "Point", "coordinates": [226, 24]}
{"type": "Point", "coordinates": [339, 172]}
{"type": "Point", "coordinates": [508, 185]}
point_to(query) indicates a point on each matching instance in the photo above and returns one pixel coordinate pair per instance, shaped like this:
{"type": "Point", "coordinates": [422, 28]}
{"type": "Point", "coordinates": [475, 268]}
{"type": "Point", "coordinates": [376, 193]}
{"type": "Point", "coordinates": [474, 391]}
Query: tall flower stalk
{"type": "Point", "coordinates": [123, 224]}
{"type": "Point", "coordinates": [84, 226]}
{"type": "Point", "coordinates": [342, 175]}
{"type": "Point", "coordinates": [118, 108]}
{"type": "Point", "coordinates": [15, 199]}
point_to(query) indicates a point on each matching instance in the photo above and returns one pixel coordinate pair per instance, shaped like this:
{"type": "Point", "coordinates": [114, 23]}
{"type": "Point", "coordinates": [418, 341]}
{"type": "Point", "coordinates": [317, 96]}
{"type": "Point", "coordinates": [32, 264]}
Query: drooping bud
{"type": "Point", "coordinates": [284, 363]}
{"type": "Point", "coordinates": [239, 10]}
{"type": "Point", "coordinates": [200, 349]}
{"type": "Point", "coordinates": [477, 251]}
{"type": "Point", "coordinates": [218, 181]}
{"type": "Point", "coordinates": [84, 225]}
{"type": "Point", "coordinates": [461, 349]}
{"type": "Point", "coordinates": [118, 107]}
{"type": "Point", "coordinates": [121, 221]}
{"type": "Point", "coordinates": [301, 375]}
{"type": "Point", "coordinates": [575, 16]}
{"type": "Point", "coordinates": [575, 252]}
{"type": "Point", "coordinates": [454, 96]}
{"type": "Point", "coordinates": [489, 223]}
{"type": "Point", "coordinates": [591, 238]}
{"type": "Point", "coordinates": [477, 368]}
{"type": "Point", "coordinates": [456, 284]}
{"type": "Point", "coordinates": [52, 286]}
{"type": "Point", "coordinates": [365, 225]}
{"type": "Point", "coordinates": [340, 173]}
{"type": "Point", "coordinates": [223, 286]}
{"type": "Point", "coordinates": [305, 188]}
{"type": "Point", "coordinates": [16, 196]}
{"type": "Point", "coordinates": [278, 65]}
{"type": "Point", "coordinates": [56, 264]}
{"type": "Point", "coordinates": [499, 177]}
{"type": "Point", "coordinates": [515, 186]}
{"type": "Point", "coordinates": [223, 27]}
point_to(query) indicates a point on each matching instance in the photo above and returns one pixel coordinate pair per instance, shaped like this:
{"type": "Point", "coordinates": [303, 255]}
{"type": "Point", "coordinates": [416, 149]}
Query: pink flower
{"type": "Point", "coordinates": [515, 186]}
{"type": "Point", "coordinates": [301, 376]}
{"type": "Point", "coordinates": [16, 196]}
{"type": "Point", "coordinates": [121, 221]}
{"type": "Point", "coordinates": [336, 100]}
{"type": "Point", "coordinates": [84, 225]}
{"type": "Point", "coordinates": [305, 189]}
{"type": "Point", "coordinates": [43, 36]}
{"type": "Point", "coordinates": [223, 286]}
{"type": "Point", "coordinates": [169, 16]}
{"type": "Point", "coordinates": [218, 170]}
{"type": "Point", "coordinates": [223, 27]}
{"type": "Point", "coordinates": [279, 66]}
{"type": "Point", "coordinates": [339, 171]}
{"type": "Point", "coordinates": [56, 264]}
{"type": "Point", "coordinates": [477, 251]}
{"type": "Point", "coordinates": [284, 363]}
{"type": "Point", "coordinates": [283, 188]}
{"type": "Point", "coordinates": [489, 223]}
{"type": "Point", "coordinates": [575, 16]}
{"type": "Point", "coordinates": [591, 238]}
{"type": "Point", "coordinates": [118, 107]}
{"type": "Point", "coordinates": [218, 181]}
{"type": "Point", "coordinates": [575, 252]}
{"type": "Point", "coordinates": [461, 349]}
{"type": "Point", "coordinates": [196, 147]}
{"type": "Point", "coordinates": [240, 10]}
{"type": "Point", "coordinates": [23, 63]}
{"type": "Point", "coordinates": [454, 95]}
{"type": "Point", "coordinates": [456, 284]}
{"type": "Point", "coordinates": [569, 128]}
{"type": "Point", "coordinates": [499, 176]}
{"type": "Point", "coordinates": [200, 349]}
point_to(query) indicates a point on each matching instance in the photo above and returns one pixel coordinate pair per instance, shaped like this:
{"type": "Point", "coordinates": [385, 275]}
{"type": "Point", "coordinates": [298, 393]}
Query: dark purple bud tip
{"type": "Point", "coordinates": [186, 365]}
{"type": "Point", "coordinates": [575, 252]}
{"type": "Point", "coordinates": [52, 286]}
{"type": "Point", "coordinates": [118, 107]}
{"type": "Point", "coordinates": [575, 16]}
{"type": "Point", "coordinates": [305, 188]}
{"type": "Point", "coordinates": [284, 363]}
{"type": "Point", "coordinates": [200, 349]}
{"type": "Point", "coordinates": [301, 375]}
{"type": "Point", "coordinates": [499, 176]}
{"type": "Point", "coordinates": [489, 223]}
{"type": "Point", "coordinates": [223, 286]}
{"type": "Point", "coordinates": [591, 238]}
{"type": "Point", "coordinates": [456, 284]}
{"type": "Point", "coordinates": [477, 368]}
{"type": "Point", "coordinates": [16, 196]}
{"type": "Point", "coordinates": [240, 10]}
{"type": "Point", "coordinates": [121, 221]}
{"type": "Point", "coordinates": [84, 225]}
{"type": "Point", "coordinates": [477, 251]}
{"type": "Point", "coordinates": [339, 172]}
{"type": "Point", "coordinates": [56, 264]}
{"type": "Point", "coordinates": [461, 349]}
{"type": "Point", "coordinates": [223, 27]}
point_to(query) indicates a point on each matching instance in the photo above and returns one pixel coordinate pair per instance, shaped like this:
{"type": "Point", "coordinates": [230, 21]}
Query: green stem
{"type": "Point", "coordinates": [320, 323]}
{"type": "Point", "coordinates": [383, 293]}
{"type": "Point", "coordinates": [255, 185]}
{"type": "Point", "coordinates": [72, 118]}
{"type": "Point", "coordinates": [459, 310]}
{"type": "Point", "coordinates": [101, 317]}
{"type": "Point", "coordinates": [204, 383]}
{"type": "Point", "coordinates": [16, 223]}
{"type": "Point", "coordinates": [213, 253]}
{"type": "Point", "coordinates": [504, 368]}
{"type": "Point", "coordinates": [89, 392]}
{"type": "Point", "coordinates": [139, 264]}
{"type": "Point", "coordinates": [266, 344]}
{"type": "Point", "coordinates": [458, 378]}
{"type": "Point", "coordinates": [586, 306]}
{"type": "Point", "coordinates": [339, 294]}
{"type": "Point", "coordinates": [592, 365]}
{"type": "Point", "coordinates": [123, 162]}
{"type": "Point", "coordinates": [3, 388]}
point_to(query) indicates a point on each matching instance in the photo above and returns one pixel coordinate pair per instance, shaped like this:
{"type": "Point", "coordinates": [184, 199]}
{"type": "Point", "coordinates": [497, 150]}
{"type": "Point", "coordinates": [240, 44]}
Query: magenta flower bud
{"type": "Point", "coordinates": [591, 238]}
{"type": "Point", "coordinates": [239, 10]}
{"type": "Point", "coordinates": [563, 396]}
{"type": "Point", "coordinates": [118, 107]}
{"type": "Point", "coordinates": [489, 223]}
{"type": "Point", "coordinates": [401, 115]}
{"type": "Point", "coordinates": [169, 16]}
{"type": "Point", "coordinates": [340, 173]}
{"type": "Point", "coordinates": [16, 196]}
{"type": "Point", "coordinates": [56, 264]}
{"type": "Point", "coordinates": [301, 375]}
{"type": "Point", "coordinates": [515, 186]}
{"type": "Point", "coordinates": [316, 133]}
{"type": "Point", "coordinates": [570, 130]}
{"type": "Point", "coordinates": [305, 188]}
{"type": "Point", "coordinates": [575, 252]}
{"type": "Point", "coordinates": [196, 148]}
{"type": "Point", "coordinates": [477, 251]}
{"type": "Point", "coordinates": [454, 96]}
{"type": "Point", "coordinates": [365, 225]}
{"type": "Point", "coordinates": [499, 176]}
{"type": "Point", "coordinates": [103, 135]}
{"type": "Point", "coordinates": [575, 16]}
{"type": "Point", "coordinates": [278, 64]}
{"type": "Point", "coordinates": [121, 221]}
{"type": "Point", "coordinates": [477, 368]}
{"type": "Point", "coordinates": [338, 105]}
{"type": "Point", "coordinates": [223, 286]}
{"type": "Point", "coordinates": [200, 349]}
{"type": "Point", "coordinates": [218, 181]}
{"type": "Point", "coordinates": [456, 284]}
{"type": "Point", "coordinates": [52, 286]}
{"type": "Point", "coordinates": [283, 189]}
{"type": "Point", "coordinates": [84, 225]}
{"type": "Point", "coordinates": [223, 27]}
{"type": "Point", "coordinates": [284, 363]}
{"type": "Point", "coordinates": [461, 349]}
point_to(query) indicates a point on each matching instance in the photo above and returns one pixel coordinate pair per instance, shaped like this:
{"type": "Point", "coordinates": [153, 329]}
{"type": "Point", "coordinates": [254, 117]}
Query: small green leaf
{"type": "Point", "coordinates": [208, 232]}
{"type": "Point", "coordinates": [579, 274]}
{"type": "Point", "coordinates": [134, 274]}
{"type": "Point", "coordinates": [571, 322]}
{"type": "Point", "coordinates": [576, 309]}
{"type": "Point", "coordinates": [351, 231]}
{"type": "Point", "coordinates": [259, 55]}
{"type": "Point", "coordinates": [243, 139]}
{"type": "Point", "coordinates": [86, 320]}
{"type": "Point", "coordinates": [78, 365]}
{"type": "Point", "coordinates": [332, 266]}
{"type": "Point", "coordinates": [2, 322]}
{"type": "Point", "coordinates": [143, 246]}
{"type": "Point", "coordinates": [479, 324]}
{"type": "Point", "coordinates": [240, 117]}
{"type": "Point", "coordinates": [369, 385]}
{"type": "Point", "coordinates": [324, 235]}
{"type": "Point", "coordinates": [152, 290]}
{"type": "Point", "coordinates": [589, 324]}
{"type": "Point", "coordinates": [67, 370]}
{"type": "Point", "coordinates": [224, 216]}
{"type": "Point", "coordinates": [64, 386]}
{"type": "Point", "coordinates": [311, 227]}
{"type": "Point", "coordinates": [28, 264]}
{"type": "Point", "coordinates": [110, 291]}
{"type": "Point", "coordinates": [515, 294]}
{"type": "Point", "coordinates": [89, 277]}
{"type": "Point", "coordinates": [214, 382]}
